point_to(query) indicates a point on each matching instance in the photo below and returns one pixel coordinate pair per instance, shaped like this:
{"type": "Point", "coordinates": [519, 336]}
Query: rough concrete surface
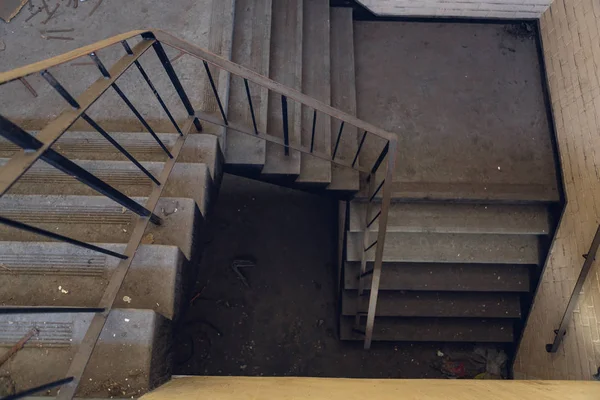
{"type": "Point", "coordinates": [466, 101]}
{"type": "Point", "coordinates": [285, 322]}
{"type": "Point", "coordinates": [187, 19]}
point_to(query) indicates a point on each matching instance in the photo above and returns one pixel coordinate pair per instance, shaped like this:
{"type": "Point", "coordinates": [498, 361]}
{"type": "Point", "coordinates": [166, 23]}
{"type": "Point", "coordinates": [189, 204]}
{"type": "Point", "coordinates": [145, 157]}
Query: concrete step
{"type": "Point", "coordinates": [35, 273]}
{"type": "Point", "coordinates": [445, 277]}
{"type": "Point", "coordinates": [343, 97]}
{"type": "Point", "coordinates": [471, 192]}
{"type": "Point", "coordinates": [316, 82]}
{"type": "Point", "coordinates": [438, 304]}
{"type": "Point", "coordinates": [130, 358]}
{"type": "Point", "coordinates": [285, 68]}
{"type": "Point", "coordinates": [433, 330]}
{"type": "Point", "coordinates": [91, 146]}
{"type": "Point", "coordinates": [97, 219]}
{"type": "Point", "coordinates": [186, 180]}
{"type": "Point", "coordinates": [456, 218]}
{"type": "Point", "coordinates": [449, 248]}
{"type": "Point", "coordinates": [251, 47]}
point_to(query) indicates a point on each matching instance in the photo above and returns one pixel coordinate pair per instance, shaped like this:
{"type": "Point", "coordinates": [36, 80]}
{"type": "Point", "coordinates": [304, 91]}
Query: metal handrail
{"type": "Point", "coordinates": [39, 147]}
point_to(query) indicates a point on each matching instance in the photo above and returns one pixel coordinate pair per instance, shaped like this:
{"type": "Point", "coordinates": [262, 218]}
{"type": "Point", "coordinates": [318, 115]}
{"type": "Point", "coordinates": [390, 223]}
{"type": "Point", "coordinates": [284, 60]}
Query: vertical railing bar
{"type": "Point", "coordinates": [56, 236]}
{"type": "Point", "coordinates": [23, 139]}
{"type": "Point", "coordinates": [337, 141]}
{"type": "Point", "coordinates": [381, 234]}
{"type": "Point", "coordinates": [314, 126]}
{"type": "Point", "coordinates": [100, 65]}
{"type": "Point", "coordinates": [286, 133]}
{"type": "Point", "coordinates": [380, 158]}
{"type": "Point", "coordinates": [164, 59]}
{"type": "Point", "coordinates": [141, 119]}
{"type": "Point", "coordinates": [376, 190]}
{"type": "Point", "coordinates": [42, 388]}
{"type": "Point", "coordinates": [129, 104]}
{"type": "Point", "coordinates": [362, 141]}
{"type": "Point", "coordinates": [215, 91]}
{"type": "Point", "coordinates": [59, 88]}
{"type": "Point", "coordinates": [374, 219]}
{"type": "Point", "coordinates": [251, 106]}
{"type": "Point", "coordinates": [151, 85]}
{"type": "Point", "coordinates": [116, 144]}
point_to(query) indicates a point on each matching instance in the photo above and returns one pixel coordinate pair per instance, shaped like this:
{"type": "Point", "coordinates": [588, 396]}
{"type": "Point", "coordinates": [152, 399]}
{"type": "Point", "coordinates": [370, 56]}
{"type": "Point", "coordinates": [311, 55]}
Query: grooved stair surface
{"type": "Point", "coordinates": [198, 148]}
{"type": "Point", "coordinates": [450, 248]}
{"type": "Point", "coordinates": [445, 277]}
{"type": "Point", "coordinates": [251, 47]}
{"type": "Point", "coordinates": [456, 218]}
{"type": "Point", "coordinates": [316, 82]}
{"type": "Point", "coordinates": [186, 180]}
{"type": "Point", "coordinates": [343, 96]}
{"type": "Point", "coordinates": [437, 304]}
{"type": "Point", "coordinates": [131, 356]}
{"type": "Point", "coordinates": [99, 219]}
{"type": "Point", "coordinates": [433, 329]}
{"type": "Point", "coordinates": [33, 272]}
{"type": "Point", "coordinates": [285, 68]}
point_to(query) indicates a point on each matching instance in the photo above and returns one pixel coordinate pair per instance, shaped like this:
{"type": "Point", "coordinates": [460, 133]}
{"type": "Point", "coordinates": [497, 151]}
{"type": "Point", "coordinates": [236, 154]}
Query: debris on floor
{"type": "Point", "coordinates": [242, 263]}
{"type": "Point", "coordinates": [10, 8]}
{"type": "Point", "coordinates": [481, 363]}
{"type": "Point", "coordinates": [19, 345]}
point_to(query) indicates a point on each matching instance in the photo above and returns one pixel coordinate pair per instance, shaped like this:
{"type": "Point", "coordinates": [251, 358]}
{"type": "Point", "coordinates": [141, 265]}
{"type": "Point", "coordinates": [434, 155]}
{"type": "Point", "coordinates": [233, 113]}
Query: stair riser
{"type": "Point", "coordinates": [437, 304]}
{"type": "Point", "coordinates": [186, 180]}
{"type": "Point", "coordinates": [96, 219]}
{"type": "Point", "coordinates": [32, 274]}
{"type": "Point", "coordinates": [449, 248]}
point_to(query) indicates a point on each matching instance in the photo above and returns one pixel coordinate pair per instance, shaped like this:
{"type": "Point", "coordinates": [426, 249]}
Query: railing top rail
{"type": "Point", "coordinates": [214, 59]}
{"type": "Point", "coordinates": [69, 56]}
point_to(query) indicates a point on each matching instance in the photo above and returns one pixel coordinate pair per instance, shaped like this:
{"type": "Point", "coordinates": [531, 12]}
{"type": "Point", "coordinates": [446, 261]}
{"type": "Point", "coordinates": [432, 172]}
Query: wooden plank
{"type": "Point", "coordinates": [10, 8]}
{"type": "Point", "coordinates": [246, 388]}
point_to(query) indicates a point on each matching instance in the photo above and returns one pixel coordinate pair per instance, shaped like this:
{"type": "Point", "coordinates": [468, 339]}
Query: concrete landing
{"type": "Point", "coordinates": [465, 100]}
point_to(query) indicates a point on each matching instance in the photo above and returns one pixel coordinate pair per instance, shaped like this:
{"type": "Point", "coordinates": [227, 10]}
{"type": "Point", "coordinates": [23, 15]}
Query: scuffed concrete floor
{"type": "Point", "coordinates": [285, 323]}
{"type": "Point", "coordinates": [186, 19]}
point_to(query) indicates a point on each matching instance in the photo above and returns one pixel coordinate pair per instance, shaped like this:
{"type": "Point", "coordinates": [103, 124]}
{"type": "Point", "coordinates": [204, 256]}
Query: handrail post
{"type": "Point", "coordinates": [377, 265]}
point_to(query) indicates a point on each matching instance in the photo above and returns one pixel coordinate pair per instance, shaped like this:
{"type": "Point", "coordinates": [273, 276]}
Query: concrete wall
{"type": "Point", "coordinates": [571, 40]}
{"type": "Point", "coordinates": [459, 8]}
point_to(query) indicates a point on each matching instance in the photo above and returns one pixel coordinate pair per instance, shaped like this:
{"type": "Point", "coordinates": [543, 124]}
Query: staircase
{"type": "Point", "coordinates": [81, 267]}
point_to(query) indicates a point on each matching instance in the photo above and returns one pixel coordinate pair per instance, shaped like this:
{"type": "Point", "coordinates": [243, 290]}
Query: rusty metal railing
{"type": "Point", "coordinates": [40, 146]}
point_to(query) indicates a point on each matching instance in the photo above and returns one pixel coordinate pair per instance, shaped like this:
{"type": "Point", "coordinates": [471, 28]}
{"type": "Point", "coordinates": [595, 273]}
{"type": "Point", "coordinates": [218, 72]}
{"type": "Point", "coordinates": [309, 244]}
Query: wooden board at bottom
{"type": "Point", "coordinates": [241, 388]}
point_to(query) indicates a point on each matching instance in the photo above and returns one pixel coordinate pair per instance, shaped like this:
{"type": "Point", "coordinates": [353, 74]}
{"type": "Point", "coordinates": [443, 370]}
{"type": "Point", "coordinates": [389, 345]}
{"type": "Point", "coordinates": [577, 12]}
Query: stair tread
{"type": "Point", "coordinates": [186, 180]}
{"type": "Point", "coordinates": [438, 304]}
{"type": "Point", "coordinates": [456, 218]}
{"type": "Point", "coordinates": [433, 329]}
{"type": "Point", "coordinates": [33, 271]}
{"type": "Point", "coordinates": [91, 146]}
{"type": "Point", "coordinates": [251, 48]}
{"type": "Point", "coordinates": [316, 82]}
{"type": "Point", "coordinates": [449, 247]}
{"type": "Point", "coordinates": [98, 219]}
{"type": "Point", "coordinates": [285, 68]}
{"type": "Point", "coordinates": [132, 351]}
{"type": "Point", "coordinates": [445, 277]}
{"type": "Point", "coordinates": [343, 96]}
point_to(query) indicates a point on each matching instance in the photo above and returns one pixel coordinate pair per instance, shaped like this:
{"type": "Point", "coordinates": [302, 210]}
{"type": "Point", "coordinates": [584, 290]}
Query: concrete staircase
{"type": "Point", "coordinates": [460, 264]}
{"type": "Point", "coordinates": [132, 355]}
{"type": "Point", "coordinates": [305, 45]}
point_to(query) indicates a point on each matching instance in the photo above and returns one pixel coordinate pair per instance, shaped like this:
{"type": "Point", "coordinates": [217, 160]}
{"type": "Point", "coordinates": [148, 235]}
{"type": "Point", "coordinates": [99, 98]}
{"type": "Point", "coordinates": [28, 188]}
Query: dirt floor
{"type": "Point", "coordinates": [285, 322]}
